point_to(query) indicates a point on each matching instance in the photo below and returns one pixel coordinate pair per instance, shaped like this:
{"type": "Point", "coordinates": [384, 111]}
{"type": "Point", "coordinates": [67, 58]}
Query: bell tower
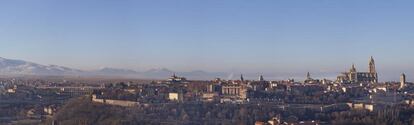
{"type": "Point", "coordinates": [372, 65]}
{"type": "Point", "coordinates": [402, 81]}
{"type": "Point", "coordinates": [373, 71]}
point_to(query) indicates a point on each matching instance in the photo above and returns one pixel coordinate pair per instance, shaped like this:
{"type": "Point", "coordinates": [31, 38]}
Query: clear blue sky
{"type": "Point", "coordinates": [265, 36]}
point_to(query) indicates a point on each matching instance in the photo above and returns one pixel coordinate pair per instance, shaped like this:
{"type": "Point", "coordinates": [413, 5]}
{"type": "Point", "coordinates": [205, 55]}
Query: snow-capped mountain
{"type": "Point", "coordinates": [20, 67]}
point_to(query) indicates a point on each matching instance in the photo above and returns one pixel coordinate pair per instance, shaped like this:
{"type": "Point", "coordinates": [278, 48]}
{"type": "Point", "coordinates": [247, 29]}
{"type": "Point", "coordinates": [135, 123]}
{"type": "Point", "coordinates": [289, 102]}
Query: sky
{"type": "Point", "coordinates": [269, 36]}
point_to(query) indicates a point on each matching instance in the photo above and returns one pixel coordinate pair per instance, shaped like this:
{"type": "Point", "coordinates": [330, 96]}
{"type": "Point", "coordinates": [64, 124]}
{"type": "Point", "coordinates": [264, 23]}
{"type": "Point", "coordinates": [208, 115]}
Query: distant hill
{"type": "Point", "coordinates": [21, 67]}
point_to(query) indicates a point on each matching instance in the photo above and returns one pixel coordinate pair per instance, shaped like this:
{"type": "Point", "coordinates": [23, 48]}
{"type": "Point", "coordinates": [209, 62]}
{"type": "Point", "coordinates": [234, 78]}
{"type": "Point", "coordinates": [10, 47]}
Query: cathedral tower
{"type": "Point", "coordinates": [353, 69]}
{"type": "Point", "coordinates": [402, 81]}
{"type": "Point", "coordinates": [261, 78]}
{"type": "Point", "coordinates": [372, 65]}
{"type": "Point", "coordinates": [372, 70]}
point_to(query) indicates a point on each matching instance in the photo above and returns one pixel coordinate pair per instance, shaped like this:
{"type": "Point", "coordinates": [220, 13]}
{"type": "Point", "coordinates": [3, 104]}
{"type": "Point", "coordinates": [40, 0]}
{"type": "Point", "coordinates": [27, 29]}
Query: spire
{"type": "Point", "coordinates": [261, 78]}
{"type": "Point", "coordinates": [241, 77]}
{"type": "Point", "coordinates": [308, 76]}
{"type": "Point", "coordinates": [353, 69]}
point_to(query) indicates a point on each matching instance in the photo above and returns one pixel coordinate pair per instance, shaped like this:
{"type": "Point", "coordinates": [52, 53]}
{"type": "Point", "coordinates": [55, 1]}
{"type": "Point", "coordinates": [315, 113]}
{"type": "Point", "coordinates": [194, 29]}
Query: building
{"type": "Point", "coordinates": [176, 97]}
{"type": "Point", "coordinates": [353, 76]}
{"type": "Point", "coordinates": [72, 91]}
{"type": "Point", "coordinates": [361, 106]}
{"type": "Point", "coordinates": [233, 92]}
{"type": "Point", "coordinates": [309, 79]}
{"type": "Point", "coordinates": [261, 78]}
{"type": "Point", "coordinates": [12, 90]}
{"type": "Point", "coordinates": [402, 81]}
{"type": "Point", "coordinates": [176, 79]}
{"type": "Point", "coordinates": [210, 97]}
{"type": "Point", "coordinates": [124, 103]}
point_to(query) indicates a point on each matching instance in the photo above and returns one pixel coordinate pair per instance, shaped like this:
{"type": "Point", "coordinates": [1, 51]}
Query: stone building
{"type": "Point", "coordinates": [353, 76]}
{"type": "Point", "coordinates": [233, 93]}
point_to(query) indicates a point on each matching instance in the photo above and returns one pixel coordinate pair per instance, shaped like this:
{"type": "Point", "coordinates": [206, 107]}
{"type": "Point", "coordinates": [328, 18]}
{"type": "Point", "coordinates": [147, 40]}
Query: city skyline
{"type": "Point", "coordinates": [278, 37]}
{"type": "Point", "coordinates": [213, 62]}
{"type": "Point", "coordinates": [21, 67]}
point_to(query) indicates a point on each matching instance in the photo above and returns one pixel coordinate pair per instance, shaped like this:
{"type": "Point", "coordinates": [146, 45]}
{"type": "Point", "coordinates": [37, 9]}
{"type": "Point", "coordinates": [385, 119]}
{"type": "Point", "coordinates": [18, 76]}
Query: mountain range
{"type": "Point", "coordinates": [21, 67]}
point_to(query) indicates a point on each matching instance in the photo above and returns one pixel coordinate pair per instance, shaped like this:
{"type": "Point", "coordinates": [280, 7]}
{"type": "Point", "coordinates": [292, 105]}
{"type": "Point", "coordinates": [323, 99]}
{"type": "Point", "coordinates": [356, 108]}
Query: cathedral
{"type": "Point", "coordinates": [360, 77]}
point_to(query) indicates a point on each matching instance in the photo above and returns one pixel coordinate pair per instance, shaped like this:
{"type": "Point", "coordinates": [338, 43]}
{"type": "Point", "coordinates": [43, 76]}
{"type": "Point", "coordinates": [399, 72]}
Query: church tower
{"type": "Point", "coordinates": [353, 69]}
{"type": "Point", "coordinates": [353, 74]}
{"type": "Point", "coordinates": [308, 76]}
{"type": "Point", "coordinates": [402, 81]}
{"type": "Point", "coordinates": [372, 65]}
{"type": "Point", "coordinates": [261, 78]}
{"type": "Point", "coordinates": [373, 71]}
